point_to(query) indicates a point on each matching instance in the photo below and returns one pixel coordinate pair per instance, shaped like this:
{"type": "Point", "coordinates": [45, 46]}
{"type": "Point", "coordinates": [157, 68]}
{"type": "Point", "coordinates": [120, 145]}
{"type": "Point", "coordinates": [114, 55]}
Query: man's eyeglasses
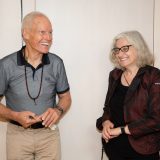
{"type": "Point", "coordinates": [123, 49]}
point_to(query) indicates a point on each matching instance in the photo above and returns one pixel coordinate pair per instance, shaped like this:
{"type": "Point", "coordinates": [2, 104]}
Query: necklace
{"type": "Point", "coordinates": [40, 85]}
{"type": "Point", "coordinates": [126, 79]}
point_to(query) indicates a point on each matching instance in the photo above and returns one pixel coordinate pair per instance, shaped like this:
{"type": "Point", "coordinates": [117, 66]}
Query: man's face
{"type": "Point", "coordinates": [38, 38]}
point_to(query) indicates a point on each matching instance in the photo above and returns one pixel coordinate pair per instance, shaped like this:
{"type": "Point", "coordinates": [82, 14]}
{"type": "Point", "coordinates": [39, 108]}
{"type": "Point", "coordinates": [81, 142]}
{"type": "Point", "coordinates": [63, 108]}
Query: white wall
{"type": "Point", "coordinates": [10, 26]}
{"type": "Point", "coordinates": [10, 40]}
{"type": "Point", "coordinates": [157, 34]}
{"type": "Point", "coordinates": [83, 31]}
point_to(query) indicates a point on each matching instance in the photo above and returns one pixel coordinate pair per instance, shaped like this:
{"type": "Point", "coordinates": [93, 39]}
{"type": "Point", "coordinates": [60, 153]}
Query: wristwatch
{"type": "Point", "coordinates": [60, 109]}
{"type": "Point", "coordinates": [123, 130]}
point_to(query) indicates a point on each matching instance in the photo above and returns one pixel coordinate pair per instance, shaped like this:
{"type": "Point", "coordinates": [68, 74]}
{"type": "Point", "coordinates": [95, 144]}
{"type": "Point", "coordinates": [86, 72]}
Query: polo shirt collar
{"type": "Point", "coordinates": [21, 60]}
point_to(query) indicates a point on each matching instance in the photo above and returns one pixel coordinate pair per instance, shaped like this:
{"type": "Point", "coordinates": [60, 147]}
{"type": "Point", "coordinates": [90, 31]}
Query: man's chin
{"type": "Point", "coordinates": [45, 51]}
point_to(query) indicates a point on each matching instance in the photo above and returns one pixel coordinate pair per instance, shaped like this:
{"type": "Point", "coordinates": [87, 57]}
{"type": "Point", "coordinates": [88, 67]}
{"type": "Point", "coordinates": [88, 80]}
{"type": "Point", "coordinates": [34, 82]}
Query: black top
{"type": "Point", "coordinates": [116, 105]}
{"type": "Point", "coordinates": [120, 143]}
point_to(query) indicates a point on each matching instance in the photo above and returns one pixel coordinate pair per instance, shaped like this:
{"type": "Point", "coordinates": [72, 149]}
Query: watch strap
{"type": "Point", "coordinates": [122, 130]}
{"type": "Point", "coordinates": [60, 109]}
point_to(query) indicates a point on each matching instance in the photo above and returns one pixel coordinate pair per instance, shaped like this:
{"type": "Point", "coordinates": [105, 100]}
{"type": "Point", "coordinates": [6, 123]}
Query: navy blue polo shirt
{"type": "Point", "coordinates": [13, 83]}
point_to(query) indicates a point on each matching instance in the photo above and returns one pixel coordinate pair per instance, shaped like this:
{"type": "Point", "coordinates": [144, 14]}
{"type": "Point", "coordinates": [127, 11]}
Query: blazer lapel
{"type": "Point", "coordinates": [134, 85]}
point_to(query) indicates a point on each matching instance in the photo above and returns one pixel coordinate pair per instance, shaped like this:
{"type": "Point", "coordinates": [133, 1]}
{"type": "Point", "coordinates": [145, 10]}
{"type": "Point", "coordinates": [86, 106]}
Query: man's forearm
{"type": "Point", "coordinates": [6, 113]}
{"type": "Point", "coordinates": [64, 101]}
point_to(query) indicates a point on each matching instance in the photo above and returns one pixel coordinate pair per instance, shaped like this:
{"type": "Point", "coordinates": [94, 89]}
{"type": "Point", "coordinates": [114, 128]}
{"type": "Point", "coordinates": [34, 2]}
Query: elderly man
{"type": "Point", "coordinates": [30, 80]}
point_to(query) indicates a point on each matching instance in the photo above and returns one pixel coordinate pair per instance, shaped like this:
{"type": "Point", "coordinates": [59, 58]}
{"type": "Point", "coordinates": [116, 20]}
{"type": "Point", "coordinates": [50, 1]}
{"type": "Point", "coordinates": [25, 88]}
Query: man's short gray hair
{"type": "Point", "coordinates": [29, 18]}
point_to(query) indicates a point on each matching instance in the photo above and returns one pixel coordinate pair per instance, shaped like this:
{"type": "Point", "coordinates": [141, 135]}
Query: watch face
{"type": "Point", "coordinates": [122, 130]}
{"type": "Point", "coordinates": [60, 109]}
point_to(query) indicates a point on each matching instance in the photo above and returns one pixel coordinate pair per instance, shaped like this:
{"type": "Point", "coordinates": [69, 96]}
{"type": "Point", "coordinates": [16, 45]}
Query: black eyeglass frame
{"type": "Point", "coordinates": [125, 48]}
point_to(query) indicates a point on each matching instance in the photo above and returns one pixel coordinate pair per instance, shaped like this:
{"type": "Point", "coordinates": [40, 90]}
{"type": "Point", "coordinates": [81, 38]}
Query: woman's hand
{"type": "Point", "coordinates": [110, 132]}
{"type": "Point", "coordinates": [107, 127]}
{"type": "Point", "coordinates": [115, 132]}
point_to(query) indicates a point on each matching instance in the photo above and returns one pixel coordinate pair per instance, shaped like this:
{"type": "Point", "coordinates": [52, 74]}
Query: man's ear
{"type": "Point", "coordinates": [25, 34]}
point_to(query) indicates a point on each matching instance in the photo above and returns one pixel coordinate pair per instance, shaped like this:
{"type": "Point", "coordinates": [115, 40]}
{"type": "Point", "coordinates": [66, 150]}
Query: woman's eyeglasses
{"type": "Point", "coordinates": [123, 49]}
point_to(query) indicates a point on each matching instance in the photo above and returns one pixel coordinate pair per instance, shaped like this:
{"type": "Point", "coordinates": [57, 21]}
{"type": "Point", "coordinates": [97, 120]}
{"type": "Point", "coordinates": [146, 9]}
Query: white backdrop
{"type": "Point", "coordinates": [83, 31]}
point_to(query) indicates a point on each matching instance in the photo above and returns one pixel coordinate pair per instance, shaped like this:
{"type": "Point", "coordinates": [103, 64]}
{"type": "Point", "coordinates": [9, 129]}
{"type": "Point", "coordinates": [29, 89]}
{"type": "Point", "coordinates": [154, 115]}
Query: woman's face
{"type": "Point", "coordinates": [125, 53]}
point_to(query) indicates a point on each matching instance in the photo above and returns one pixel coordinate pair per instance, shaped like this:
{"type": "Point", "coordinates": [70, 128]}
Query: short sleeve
{"type": "Point", "coordinates": [62, 84]}
{"type": "Point", "coordinates": [3, 79]}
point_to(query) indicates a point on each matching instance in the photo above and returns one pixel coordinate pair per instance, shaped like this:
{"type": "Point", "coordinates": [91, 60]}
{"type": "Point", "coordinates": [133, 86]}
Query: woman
{"type": "Point", "coordinates": [131, 120]}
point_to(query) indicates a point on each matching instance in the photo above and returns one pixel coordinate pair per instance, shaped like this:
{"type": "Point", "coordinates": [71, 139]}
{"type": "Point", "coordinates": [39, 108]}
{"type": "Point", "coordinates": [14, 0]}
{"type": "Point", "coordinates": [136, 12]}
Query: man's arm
{"type": "Point", "coordinates": [64, 101]}
{"type": "Point", "coordinates": [6, 114]}
{"type": "Point", "coordinates": [53, 115]}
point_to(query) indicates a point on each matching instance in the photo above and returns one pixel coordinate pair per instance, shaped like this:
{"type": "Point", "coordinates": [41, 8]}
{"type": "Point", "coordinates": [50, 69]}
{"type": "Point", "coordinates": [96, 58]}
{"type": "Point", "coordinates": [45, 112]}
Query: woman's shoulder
{"type": "Point", "coordinates": [151, 70]}
{"type": "Point", "coordinates": [116, 72]}
{"type": "Point", "coordinates": [151, 74]}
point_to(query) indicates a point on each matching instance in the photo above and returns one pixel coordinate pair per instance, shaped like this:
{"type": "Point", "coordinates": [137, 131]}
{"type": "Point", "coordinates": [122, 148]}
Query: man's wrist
{"type": "Point", "coordinates": [14, 115]}
{"type": "Point", "coordinates": [59, 108]}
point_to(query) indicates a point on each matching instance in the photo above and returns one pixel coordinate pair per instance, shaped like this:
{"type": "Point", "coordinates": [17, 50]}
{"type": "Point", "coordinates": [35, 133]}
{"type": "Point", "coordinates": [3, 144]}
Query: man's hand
{"type": "Point", "coordinates": [50, 117]}
{"type": "Point", "coordinates": [26, 118]}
